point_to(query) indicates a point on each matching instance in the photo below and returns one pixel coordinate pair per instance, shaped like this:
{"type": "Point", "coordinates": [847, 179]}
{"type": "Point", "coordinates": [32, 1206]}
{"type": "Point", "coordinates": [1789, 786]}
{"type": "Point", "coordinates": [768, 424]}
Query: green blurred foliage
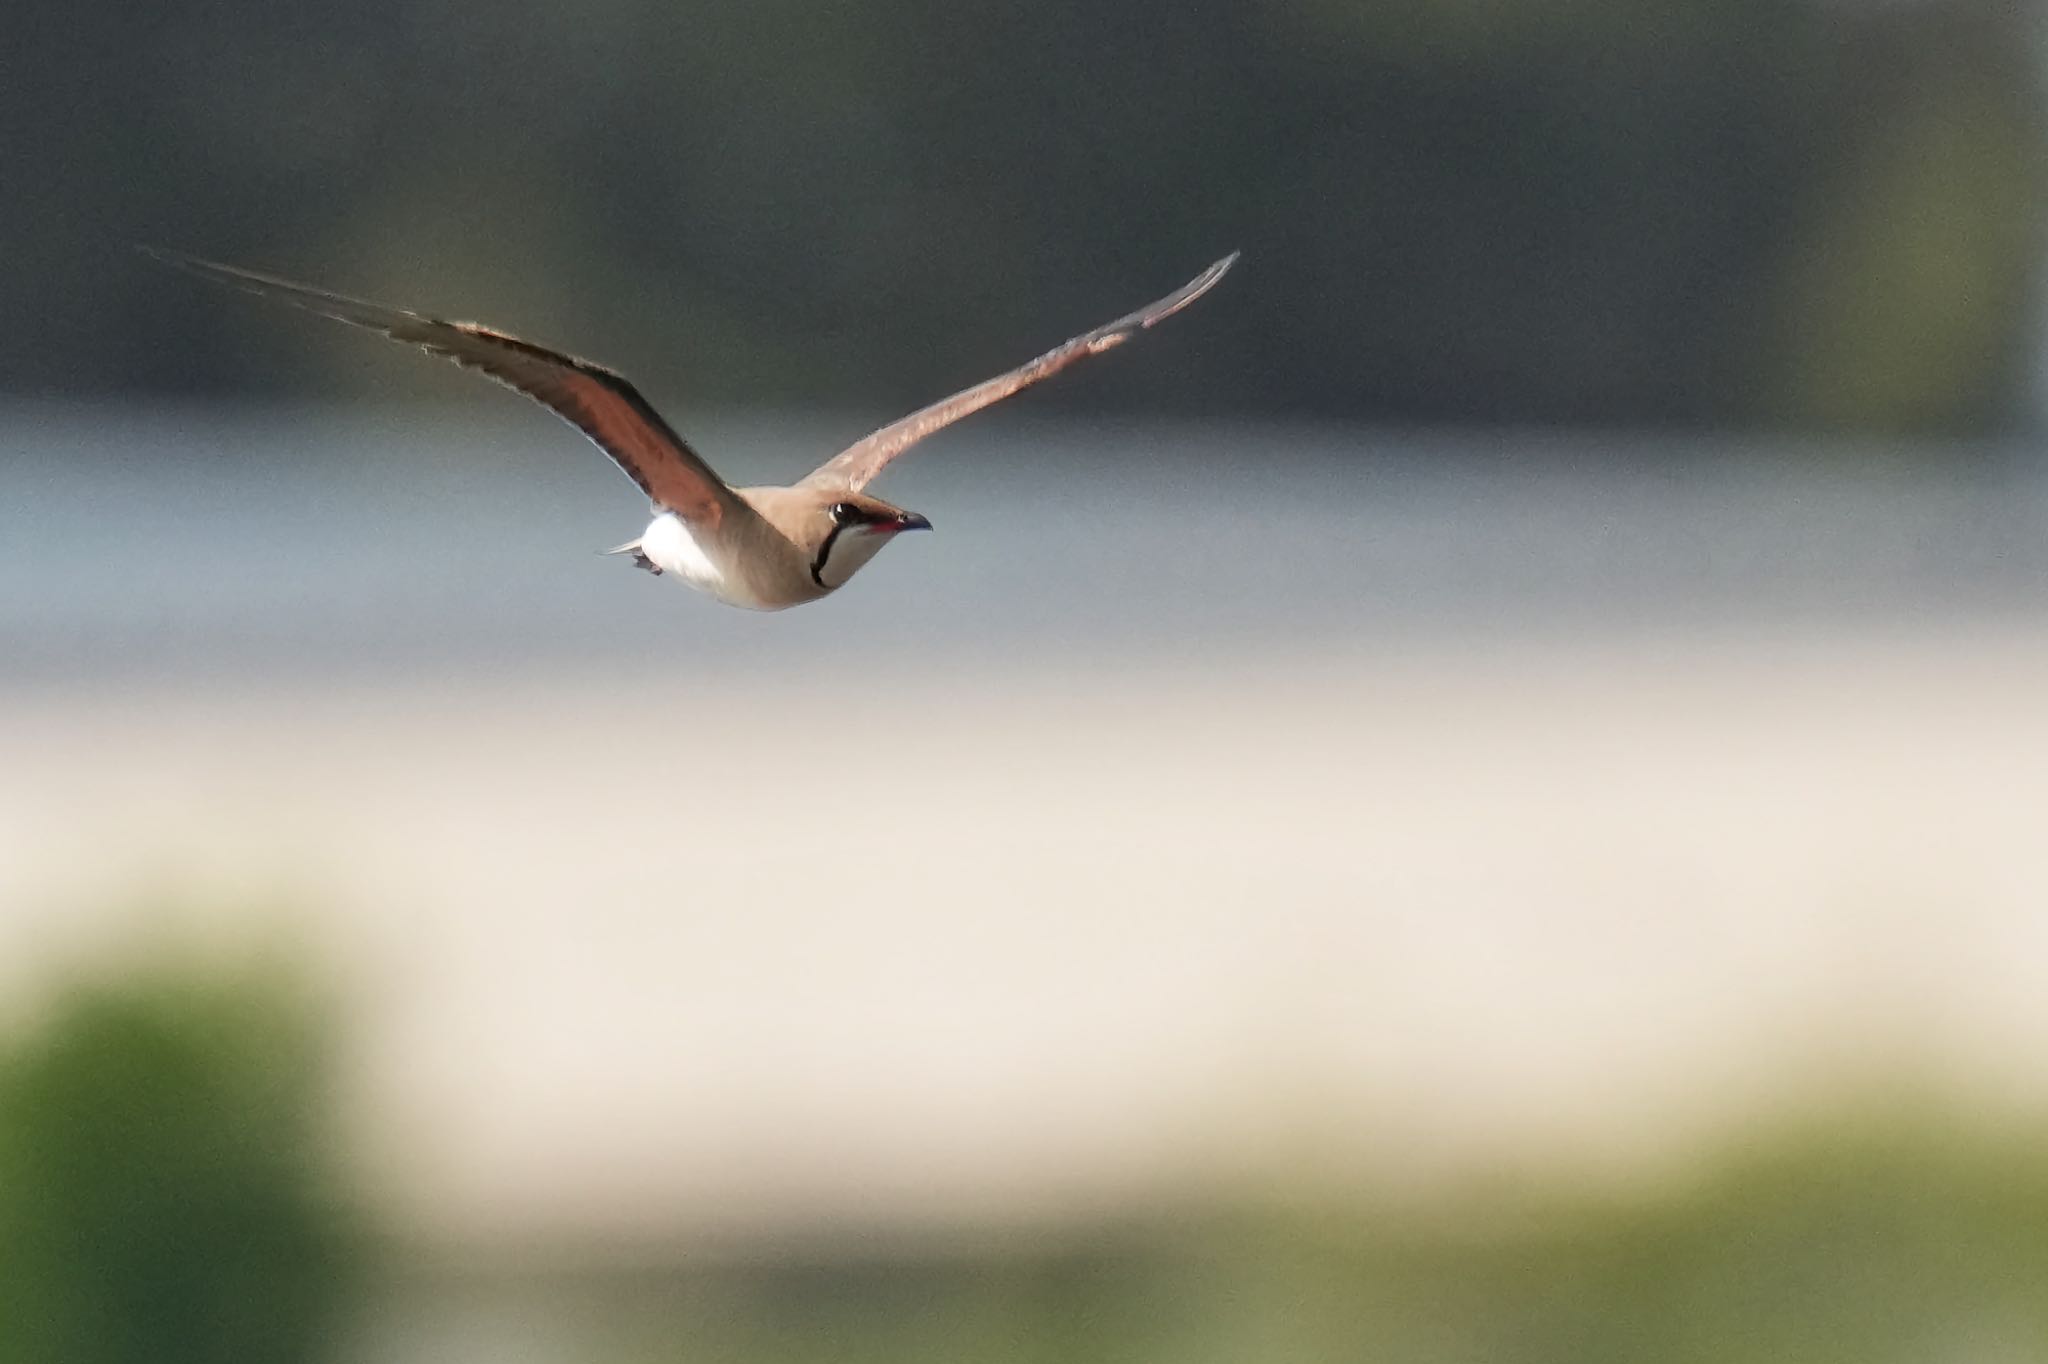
{"type": "Point", "coordinates": [1872, 1234]}
{"type": "Point", "coordinates": [164, 1191]}
{"type": "Point", "coordinates": [1791, 213]}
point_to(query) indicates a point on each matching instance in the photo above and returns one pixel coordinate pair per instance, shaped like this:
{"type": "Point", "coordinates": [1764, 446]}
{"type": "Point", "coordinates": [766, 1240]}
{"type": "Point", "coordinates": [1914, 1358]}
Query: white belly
{"type": "Point", "coordinates": [669, 545]}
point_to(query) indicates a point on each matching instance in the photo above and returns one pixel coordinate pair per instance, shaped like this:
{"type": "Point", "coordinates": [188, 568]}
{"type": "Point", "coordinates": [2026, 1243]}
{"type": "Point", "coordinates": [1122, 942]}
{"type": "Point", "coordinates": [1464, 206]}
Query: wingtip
{"type": "Point", "coordinates": [1192, 290]}
{"type": "Point", "coordinates": [1209, 278]}
{"type": "Point", "coordinates": [181, 260]}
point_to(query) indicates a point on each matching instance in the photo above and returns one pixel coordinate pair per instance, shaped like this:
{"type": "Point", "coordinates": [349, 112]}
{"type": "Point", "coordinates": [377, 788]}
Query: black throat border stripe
{"type": "Point", "coordinates": [824, 553]}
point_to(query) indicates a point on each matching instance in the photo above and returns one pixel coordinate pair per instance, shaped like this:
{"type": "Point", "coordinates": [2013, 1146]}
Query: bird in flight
{"type": "Point", "coordinates": [765, 548]}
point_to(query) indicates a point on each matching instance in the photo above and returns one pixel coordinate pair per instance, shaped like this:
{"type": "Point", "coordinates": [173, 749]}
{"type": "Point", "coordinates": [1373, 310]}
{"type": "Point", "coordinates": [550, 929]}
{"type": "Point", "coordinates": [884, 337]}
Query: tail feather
{"type": "Point", "coordinates": [640, 559]}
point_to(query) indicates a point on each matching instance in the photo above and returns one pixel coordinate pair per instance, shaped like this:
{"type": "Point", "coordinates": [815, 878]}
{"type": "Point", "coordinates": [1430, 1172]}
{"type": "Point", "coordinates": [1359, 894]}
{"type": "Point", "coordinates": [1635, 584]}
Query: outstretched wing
{"type": "Point", "coordinates": [857, 464]}
{"type": "Point", "coordinates": [593, 399]}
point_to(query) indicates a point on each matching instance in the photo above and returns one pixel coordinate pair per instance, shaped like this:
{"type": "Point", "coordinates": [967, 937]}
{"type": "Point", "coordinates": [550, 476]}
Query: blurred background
{"type": "Point", "coordinates": [1477, 795]}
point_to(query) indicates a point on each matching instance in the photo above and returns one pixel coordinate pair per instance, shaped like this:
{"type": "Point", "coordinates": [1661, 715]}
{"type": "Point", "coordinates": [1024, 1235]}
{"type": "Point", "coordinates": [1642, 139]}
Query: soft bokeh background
{"type": "Point", "coordinates": [1478, 795]}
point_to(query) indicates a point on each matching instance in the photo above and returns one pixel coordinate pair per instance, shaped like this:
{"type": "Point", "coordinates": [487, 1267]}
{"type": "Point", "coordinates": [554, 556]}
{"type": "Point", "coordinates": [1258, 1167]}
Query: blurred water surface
{"type": "Point", "coordinates": [188, 540]}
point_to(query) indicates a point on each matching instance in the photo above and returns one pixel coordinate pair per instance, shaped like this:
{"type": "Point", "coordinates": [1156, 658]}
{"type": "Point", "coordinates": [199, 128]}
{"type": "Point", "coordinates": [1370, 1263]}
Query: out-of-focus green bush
{"type": "Point", "coordinates": [1859, 1237]}
{"type": "Point", "coordinates": [164, 1196]}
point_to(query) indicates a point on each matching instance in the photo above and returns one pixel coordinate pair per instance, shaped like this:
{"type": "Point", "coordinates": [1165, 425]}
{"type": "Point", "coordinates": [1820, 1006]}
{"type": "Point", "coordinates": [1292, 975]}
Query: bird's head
{"type": "Point", "coordinates": [843, 530]}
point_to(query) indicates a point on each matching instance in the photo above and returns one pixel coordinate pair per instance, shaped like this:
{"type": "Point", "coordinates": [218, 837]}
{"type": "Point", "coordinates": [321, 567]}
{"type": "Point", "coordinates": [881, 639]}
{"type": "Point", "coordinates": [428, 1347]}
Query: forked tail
{"type": "Point", "coordinates": [640, 559]}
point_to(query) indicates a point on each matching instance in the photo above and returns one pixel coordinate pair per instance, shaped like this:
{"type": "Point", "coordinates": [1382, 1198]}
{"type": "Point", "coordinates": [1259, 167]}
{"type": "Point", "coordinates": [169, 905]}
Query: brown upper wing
{"type": "Point", "coordinates": [593, 399]}
{"type": "Point", "coordinates": [860, 462]}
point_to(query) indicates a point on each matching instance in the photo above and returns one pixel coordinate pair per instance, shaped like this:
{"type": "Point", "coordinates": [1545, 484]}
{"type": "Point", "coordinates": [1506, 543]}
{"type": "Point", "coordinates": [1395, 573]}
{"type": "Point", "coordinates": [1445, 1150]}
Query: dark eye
{"type": "Point", "coordinates": [844, 512]}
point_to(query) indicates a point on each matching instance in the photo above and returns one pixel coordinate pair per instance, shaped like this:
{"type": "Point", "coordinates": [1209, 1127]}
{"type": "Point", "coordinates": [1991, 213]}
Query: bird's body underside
{"type": "Point", "coordinates": [767, 571]}
{"type": "Point", "coordinates": [764, 548]}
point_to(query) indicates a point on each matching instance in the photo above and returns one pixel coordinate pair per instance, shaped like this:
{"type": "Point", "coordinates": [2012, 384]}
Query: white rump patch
{"type": "Point", "coordinates": [668, 545]}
